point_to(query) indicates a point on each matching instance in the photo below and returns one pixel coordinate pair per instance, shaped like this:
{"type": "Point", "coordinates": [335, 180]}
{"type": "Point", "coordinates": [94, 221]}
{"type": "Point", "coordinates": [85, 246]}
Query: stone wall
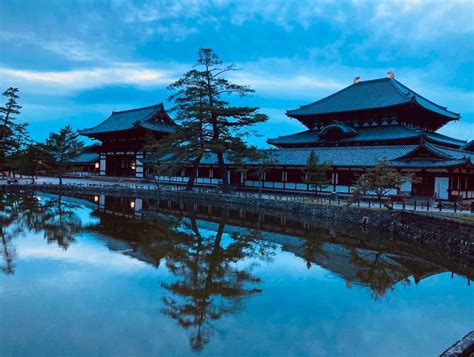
{"type": "Point", "coordinates": [440, 234]}
{"type": "Point", "coordinates": [436, 232]}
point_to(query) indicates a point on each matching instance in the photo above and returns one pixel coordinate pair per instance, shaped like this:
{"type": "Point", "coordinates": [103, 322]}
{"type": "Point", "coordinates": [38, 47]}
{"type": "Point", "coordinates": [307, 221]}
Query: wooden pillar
{"type": "Point", "coordinates": [139, 164]}
{"type": "Point", "coordinates": [102, 162]}
{"type": "Point", "coordinates": [450, 183]}
{"type": "Point", "coordinates": [350, 181]}
{"type": "Point", "coordinates": [138, 207]}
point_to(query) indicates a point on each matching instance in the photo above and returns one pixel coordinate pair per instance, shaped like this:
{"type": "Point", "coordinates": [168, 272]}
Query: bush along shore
{"type": "Point", "coordinates": [442, 234]}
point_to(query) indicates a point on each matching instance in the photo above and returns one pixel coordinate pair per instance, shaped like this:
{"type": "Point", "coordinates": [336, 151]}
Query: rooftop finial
{"type": "Point", "coordinates": [391, 74]}
{"type": "Point", "coordinates": [356, 79]}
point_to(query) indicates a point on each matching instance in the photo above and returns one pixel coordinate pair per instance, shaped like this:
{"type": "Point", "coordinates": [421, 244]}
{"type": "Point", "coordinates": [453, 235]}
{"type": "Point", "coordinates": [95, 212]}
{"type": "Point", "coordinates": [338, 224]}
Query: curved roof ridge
{"type": "Point", "coordinates": [368, 81]}
{"type": "Point", "coordinates": [369, 95]}
{"type": "Point", "coordinates": [434, 133]}
{"type": "Point", "coordinates": [455, 151]}
{"type": "Point", "coordinates": [290, 135]}
{"type": "Point", "coordinates": [422, 97]}
{"type": "Point", "coordinates": [320, 100]}
{"type": "Point", "coordinates": [431, 148]}
{"type": "Point", "coordinates": [467, 144]}
{"type": "Point", "coordinates": [435, 149]}
{"type": "Point", "coordinates": [160, 105]}
{"type": "Point", "coordinates": [348, 130]}
{"type": "Point", "coordinates": [92, 128]}
{"type": "Point", "coordinates": [358, 147]}
{"type": "Point", "coordinates": [128, 119]}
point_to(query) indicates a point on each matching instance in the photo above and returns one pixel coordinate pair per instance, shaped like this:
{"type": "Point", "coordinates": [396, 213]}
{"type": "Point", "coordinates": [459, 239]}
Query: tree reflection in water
{"type": "Point", "coordinates": [213, 273]}
{"type": "Point", "coordinates": [9, 208]}
{"type": "Point", "coordinates": [59, 221]}
{"type": "Point", "coordinates": [313, 246]}
{"type": "Point", "coordinates": [23, 212]}
{"type": "Point", "coordinates": [211, 279]}
{"type": "Point", "coordinates": [379, 271]}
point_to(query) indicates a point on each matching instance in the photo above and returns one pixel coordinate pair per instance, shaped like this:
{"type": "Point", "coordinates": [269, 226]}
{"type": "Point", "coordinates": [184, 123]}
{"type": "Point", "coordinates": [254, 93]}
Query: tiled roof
{"type": "Point", "coordinates": [468, 146]}
{"type": "Point", "coordinates": [454, 153]}
{"type": "Point", "coordinates": [427, 163]}
{"type": "Point", "coordinates": [86, 157]}
{"type": "Point", "coordinates": [128, 119]}
{"type": "Point", "coordinates": [364, 134]}
{"type": "Point", "coordinates": [372, 94]}
{"type": "Point", "coordinates": [359, 156]}
{"type": "Point", "coordinates": [363, 156]}
{"type": "Point", "coordinates": [379, 133]}
{"type": "Point", "coordinates": [444, 139]}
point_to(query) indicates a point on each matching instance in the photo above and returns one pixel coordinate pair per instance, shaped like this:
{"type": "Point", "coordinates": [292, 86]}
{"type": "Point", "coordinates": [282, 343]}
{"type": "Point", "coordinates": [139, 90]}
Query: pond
{"type": "Point", "coordinates": [96, 275]}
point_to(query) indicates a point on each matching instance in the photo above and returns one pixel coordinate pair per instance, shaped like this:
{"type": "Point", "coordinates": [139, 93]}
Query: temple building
{"type": "Point", "coordinates": [368, 121]}
{"type": "Point", "coordinates": [122, 137]}
{"type": "Point", "coordinates": [352, 129]}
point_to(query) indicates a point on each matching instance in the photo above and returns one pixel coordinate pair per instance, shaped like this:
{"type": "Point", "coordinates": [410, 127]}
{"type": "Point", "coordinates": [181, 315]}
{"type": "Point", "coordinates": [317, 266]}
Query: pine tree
{"type": "Point", "coordinates": [260, 161]}
{"type": "Point", "coordinates": [315, 172]}
{"type": "Point", "coordinates": [208, 123]}
{"type": "Point", "coordinates": [13, 135]}
{"type": "Point", "coordinates": [60, 149]}
{"type": "Point", "coordinates": [29, 160]}
{"type": "Point", "coordinates": [381, 180]}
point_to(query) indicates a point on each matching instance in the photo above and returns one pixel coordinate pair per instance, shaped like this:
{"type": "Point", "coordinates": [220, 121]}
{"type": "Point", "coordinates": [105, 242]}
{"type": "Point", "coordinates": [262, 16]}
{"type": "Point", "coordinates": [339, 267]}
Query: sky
{"type": "Point", "coordinates": [77, 61]}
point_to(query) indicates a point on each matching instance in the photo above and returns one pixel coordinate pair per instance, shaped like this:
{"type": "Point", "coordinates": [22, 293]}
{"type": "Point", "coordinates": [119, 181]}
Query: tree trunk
{"type": "Point", "coordinates": [60, 179]}
{"type": "Point", "coordinates": [260, 183]}
{"type": "Point", "coordinates": [192, 178]}
{"type": "Point", "coordinates": [225, 182]}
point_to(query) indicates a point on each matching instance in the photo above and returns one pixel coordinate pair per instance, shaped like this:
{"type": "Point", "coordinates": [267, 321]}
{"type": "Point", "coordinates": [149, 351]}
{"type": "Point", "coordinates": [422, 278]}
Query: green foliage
{"type": "Point", "coordinates": [315, 172]}
{"type": "Point", "coordinates": [60, 150]}
{"type": "Point", "coordinates": [208, 123]}
{"type": "Point", "coordinates": [13, 135]}
{"type": "Point", "coordinates": [380, 180]}
{"type": "Point", "coordinates": [260, 161]}
{"type": "Point", "coordinates": [30, 160]}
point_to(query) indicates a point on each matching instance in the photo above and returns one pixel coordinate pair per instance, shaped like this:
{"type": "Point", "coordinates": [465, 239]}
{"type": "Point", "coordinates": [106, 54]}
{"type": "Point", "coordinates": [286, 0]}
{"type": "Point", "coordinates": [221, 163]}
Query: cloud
{"type": "Point", "coordinates": [290, 84]}
{"type": "Point", "coordinates": [74, 50]}
{"type": "Point", "coordinates": [171, 32]}
{"type": "Point", "coordinates": [134, 74]}
{"type": "Point", "coordinates": [84, 254]}
{"type": "Point", "coordinates": [392, 16]}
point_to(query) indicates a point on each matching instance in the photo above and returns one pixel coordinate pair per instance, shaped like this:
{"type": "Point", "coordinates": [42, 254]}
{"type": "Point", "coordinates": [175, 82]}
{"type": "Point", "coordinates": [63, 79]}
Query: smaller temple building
{"type": "Point", "coordinates": [122, 137]}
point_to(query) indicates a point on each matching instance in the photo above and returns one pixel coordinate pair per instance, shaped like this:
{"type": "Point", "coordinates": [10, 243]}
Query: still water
{"type": "Point", "coordinates": [118, 276]}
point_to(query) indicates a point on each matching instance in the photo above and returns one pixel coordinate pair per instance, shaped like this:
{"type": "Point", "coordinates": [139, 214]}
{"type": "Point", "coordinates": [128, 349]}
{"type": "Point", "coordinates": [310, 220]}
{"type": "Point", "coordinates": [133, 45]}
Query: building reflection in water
{"type": "Point", "coordinates": [212, 252]}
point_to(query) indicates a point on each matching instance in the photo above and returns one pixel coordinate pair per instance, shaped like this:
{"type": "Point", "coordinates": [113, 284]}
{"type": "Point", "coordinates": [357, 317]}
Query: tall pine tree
{"type": "Point", "coordinates": [13, 135]}
{"type": "Point", "coordinates": [208, 122]}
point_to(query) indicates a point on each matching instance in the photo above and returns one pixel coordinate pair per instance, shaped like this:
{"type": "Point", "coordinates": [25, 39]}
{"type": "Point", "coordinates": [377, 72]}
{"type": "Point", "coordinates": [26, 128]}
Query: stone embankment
{"type": "Point", "coordinates": [442, 234]}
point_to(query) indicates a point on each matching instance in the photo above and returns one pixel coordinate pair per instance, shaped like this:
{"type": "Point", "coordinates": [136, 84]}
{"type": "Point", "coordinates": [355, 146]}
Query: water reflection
{"type": "Point", "coordinates": [212, 253]}
{"type": "Point", "coordinates": [56, 219]}
{"type": "Point", "coordinates": [208, 281]}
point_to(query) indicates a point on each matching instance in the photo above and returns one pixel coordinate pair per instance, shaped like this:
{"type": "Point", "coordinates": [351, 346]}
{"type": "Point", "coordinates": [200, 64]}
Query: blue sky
{"type": "Point", "coordinates": [76, 61]}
